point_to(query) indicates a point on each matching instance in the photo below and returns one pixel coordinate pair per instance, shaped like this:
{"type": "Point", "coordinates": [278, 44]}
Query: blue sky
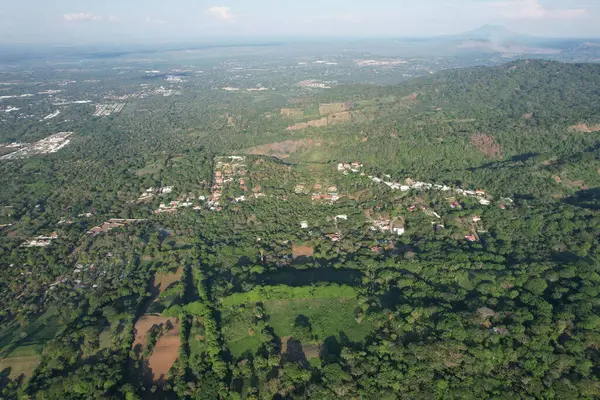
{"type": "Point", "coordinates": [73, 21]}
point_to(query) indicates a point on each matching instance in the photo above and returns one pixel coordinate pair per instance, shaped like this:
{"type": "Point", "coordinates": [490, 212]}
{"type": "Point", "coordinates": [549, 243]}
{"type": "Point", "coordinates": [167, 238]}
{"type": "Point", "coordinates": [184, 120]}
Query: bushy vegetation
{"type": "Point", "coordinates": [337, 307]}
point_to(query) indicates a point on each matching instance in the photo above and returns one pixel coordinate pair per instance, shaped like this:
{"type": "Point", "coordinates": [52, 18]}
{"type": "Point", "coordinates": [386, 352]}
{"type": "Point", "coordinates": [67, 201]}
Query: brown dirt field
{"type": "Point", "coordinates": [292, 112]}
{"type": "Point", "coordinates": [316, 123]}
{"type": "Point", "coordinates": [283, 149]}
{"type": "Point", "coordinates": [487, 145]}
{"type": "Point", "coordinates": [527, 116]}
{"type": "Point", "coordinates": [410, 97]}
{"type": "Point", "coordinates": [330, 108]}
{"type": "Point", "coordinates": [20, 365]}
{"type": "Point", "coordinates": [165, 353]}
{"type": "Point", "coordinates": [300, 251]}
{"type": "Point", "coordinates": [585, 128]}
{"type": "Point", "coordinates": [162, 281]}
{"type": "Point", "coordinates": [339, 118]}
{"type": "Point", "coordinates": [143, 325]}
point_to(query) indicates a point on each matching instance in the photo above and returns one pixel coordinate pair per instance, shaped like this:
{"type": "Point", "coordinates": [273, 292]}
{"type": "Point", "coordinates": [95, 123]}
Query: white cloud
{"type": "Point", "coordinates": [77, 17]}
{"type": "Point", "coordinates": [87, 17]}
{"type": "Point", "coordinates": [533, 9]}
{"type": "Point", "coordinates": [223, 13]}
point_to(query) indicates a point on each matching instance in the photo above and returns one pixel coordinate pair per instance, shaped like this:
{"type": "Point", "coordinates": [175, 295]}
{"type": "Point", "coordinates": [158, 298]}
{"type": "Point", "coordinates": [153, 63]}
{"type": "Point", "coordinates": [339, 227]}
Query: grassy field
{"type": "Point", "coordinates": [196, 338]}
{"type": "Point", "coordinates": [20, 346]}
{"type": "Point", "coordinates": [30, 339]}
{"type": "Point", "coordinates": [24, 365]}
{"type": "Point", "coordinates": [328, 317]}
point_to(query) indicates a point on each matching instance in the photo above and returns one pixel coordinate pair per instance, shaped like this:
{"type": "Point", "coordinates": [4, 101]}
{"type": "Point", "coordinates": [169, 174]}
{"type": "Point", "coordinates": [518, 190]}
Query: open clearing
{"type": "Point", "coordinates": [330, 108]}
{"type": "Point", "coordinates": [165, 352]}
{"type": "Point", "coordinates": [310, 350]}
{"type": "Point", "coordinates": [292, 112]}
{"type": "Point", "coordinates": [162, 280]}
{"type": "Point", "coordinates": [17, 341]}
{"type": "Point", "coordinates": [330, 119]}
{"type": "Point", "coordinates": [585, 128]}
{"type": "Point", "coordinates": [143, 325]}
{"type": "Point", "coordinates": [328, 317]}
{"type": "Point", "coordinates": [302, 251]}
{"type": "Point", "coordinates": [283, 149]}
{"type": "Point", "coordinates": [24, 365]}
{"type": "Point", "coordinates": [487, 145]}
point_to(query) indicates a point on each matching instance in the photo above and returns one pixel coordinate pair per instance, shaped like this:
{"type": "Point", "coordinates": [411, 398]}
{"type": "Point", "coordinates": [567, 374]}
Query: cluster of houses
{"type": "Point", "coordinates": [227, 170]}
{"type": "Point", "coordinates": [183, 202]}
{"type": "Point", "coordinates": [346, 168]}
{"type": "Point", "coordinates": [41, 241]}
{"type": "Point", "coordinates": [409, 184]}
{"type": "Point", "coordinates": [111, 224]}
{"type": "Point", "coordinates": [387, 225]}
{"type": "Point", "coordinates": [151, 192]}
{"type": "Point", "coordinates": [331, 194]}
{"type": "Point", "coordinates": [88, 273]}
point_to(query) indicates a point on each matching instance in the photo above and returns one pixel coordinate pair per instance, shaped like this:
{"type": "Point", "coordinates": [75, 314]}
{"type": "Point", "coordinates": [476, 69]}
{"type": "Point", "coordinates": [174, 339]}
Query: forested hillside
{"type": "Point", "coordinates": [433, 239]}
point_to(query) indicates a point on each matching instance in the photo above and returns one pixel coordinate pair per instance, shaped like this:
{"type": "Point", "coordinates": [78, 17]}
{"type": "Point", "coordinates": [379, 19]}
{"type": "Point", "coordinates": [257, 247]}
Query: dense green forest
{"type": "Point", "coordinates": [458, 257]}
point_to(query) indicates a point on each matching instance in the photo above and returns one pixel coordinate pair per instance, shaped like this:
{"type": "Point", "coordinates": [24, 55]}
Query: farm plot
{"type": "Point", "coordinates": [327, 317]}
{"type": "Point", "coordinates": [302, 251]}
{"type": "Point", "coordinates": [165, 352]}
{"type": "Point", "coordinates": [331, 108]}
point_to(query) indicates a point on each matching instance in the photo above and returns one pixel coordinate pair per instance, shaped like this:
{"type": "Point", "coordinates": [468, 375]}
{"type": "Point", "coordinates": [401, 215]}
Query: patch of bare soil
{"type": "Point", "coordinates": [331, 119]}
{"type": "Point", "coordinates": [165, 352]}
{"type": "Point", "coordinates": [144, 324]}
{"type": "Point", "coordinates": [338, 118]}
{"type": "Point", "coordinates": [315, 123]}
{"type": "Point", "coordinates": [487, 145]}
{"type": "Point", "coordinates": [291, 112]}
{"type": "Point", "coordinates": [284, 342]}
{"type": "Point", "coordinates": [302, 251]}
{"type": "Point", "coordinates": [283, 149]}
{"type": "Point", "coordinates": [311, 350]}
{"type": "Point", "coordinates": [585, 128]}
{"type": "Point", "coordinates": [411, 97]}
{"type": "Point", "coordinates": [330, 108]}
{"type": "Point", "coordinates": [162, 280]}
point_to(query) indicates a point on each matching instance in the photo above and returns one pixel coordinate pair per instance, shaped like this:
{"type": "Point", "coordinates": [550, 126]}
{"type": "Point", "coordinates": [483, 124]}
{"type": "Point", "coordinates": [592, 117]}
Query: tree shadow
{"type": "Point", "coordinates": [295, 353]}
{"type": "Point", "coordinates": [331, 350]}
{"type": "Point", "coordinates": [589, 198]}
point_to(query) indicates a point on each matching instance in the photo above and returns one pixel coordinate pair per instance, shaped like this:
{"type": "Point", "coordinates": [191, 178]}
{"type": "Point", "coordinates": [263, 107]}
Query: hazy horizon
{"type": "Point", "coordinates": [111, 21]}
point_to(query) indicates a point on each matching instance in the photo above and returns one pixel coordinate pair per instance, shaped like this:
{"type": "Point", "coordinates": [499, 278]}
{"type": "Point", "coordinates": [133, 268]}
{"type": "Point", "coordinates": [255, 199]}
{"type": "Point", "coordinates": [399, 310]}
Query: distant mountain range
{"type": "Point", "coordinates": [498, 39]}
